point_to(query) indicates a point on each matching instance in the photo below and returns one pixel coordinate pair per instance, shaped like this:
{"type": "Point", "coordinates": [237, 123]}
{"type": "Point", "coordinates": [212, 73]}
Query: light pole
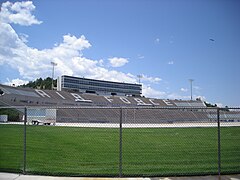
{"type": "Point", "coordinates": [139, 78]}
{"type": "Point", "coordinates": [191, 80]}
{"type": "Point", "coordinates": [53, 64]}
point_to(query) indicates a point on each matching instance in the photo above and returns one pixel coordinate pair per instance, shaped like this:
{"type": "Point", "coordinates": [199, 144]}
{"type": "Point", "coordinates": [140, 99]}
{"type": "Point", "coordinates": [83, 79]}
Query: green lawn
{"type": "Point", "coordinates": [95, 151]}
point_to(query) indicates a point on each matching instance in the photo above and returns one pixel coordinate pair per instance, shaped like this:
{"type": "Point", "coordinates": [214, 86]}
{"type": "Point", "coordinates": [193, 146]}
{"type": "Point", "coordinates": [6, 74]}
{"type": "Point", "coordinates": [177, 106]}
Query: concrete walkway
{"type": "Point", "coordinates": [11, 176]}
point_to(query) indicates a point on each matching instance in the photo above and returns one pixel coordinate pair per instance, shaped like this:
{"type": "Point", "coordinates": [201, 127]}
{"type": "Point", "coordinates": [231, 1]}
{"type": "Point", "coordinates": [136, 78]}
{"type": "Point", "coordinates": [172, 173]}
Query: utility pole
{"type": "Point", "coordinates": [53, 64]}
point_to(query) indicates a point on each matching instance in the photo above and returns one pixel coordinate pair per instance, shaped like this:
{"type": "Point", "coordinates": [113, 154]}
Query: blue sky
{"type": "Point", "coordinates": [167, 42]}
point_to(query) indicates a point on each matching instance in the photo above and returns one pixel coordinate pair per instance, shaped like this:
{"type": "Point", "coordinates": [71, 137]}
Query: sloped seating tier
{"type": "Point", "coordinates": [130, 116]}
{"type": "Point", "coordinates": [15, 96]}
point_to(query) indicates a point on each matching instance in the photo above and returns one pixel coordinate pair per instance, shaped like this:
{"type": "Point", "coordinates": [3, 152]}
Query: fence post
{"type": "Point", "coordinates": [24, 140]}
{"type": "Point", "coordinates": [120, 143]}
{"type": "Point", "coordinates": [219, 143]}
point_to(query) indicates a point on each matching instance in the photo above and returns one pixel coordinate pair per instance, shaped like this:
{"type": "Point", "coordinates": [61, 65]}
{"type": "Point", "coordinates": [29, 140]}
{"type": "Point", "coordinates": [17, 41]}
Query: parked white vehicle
{"type": "Point", "coordinates": [44, 122]}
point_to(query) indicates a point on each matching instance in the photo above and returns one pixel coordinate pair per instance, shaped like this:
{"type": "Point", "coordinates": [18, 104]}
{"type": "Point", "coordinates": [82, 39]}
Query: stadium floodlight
{"type": "Point", "coordinates": [139, 78]}
{"type": "Point", "coordinates": [53, 64]}
{"type": "Point", "coordinates": [191, 80]}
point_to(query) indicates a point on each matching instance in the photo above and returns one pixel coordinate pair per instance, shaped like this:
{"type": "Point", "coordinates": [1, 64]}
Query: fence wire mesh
{"type": "Point", "coordinates": [160, 142]}
{"type": "Point", "coordinates": [230, 138]}
{"type": "Point", "coordinates": [95, 141]}
{"type": "Point", "coordinates": [78, 144]}
{"type": "Point", "coordinates": [11, 139]}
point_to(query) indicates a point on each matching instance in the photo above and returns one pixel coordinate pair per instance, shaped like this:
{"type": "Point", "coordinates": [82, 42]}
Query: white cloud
{"type": "Point", "coordinates": [184, 89]}
{"type": "Point", "coordinates": [147, 91]}
{"type": "Point", "coordinates": [151, 79]}
{"type": "Point", "coordinates": [72, 42]}
{"type": "Point", "coordinates": [170, 62]}
{"type": "Point", "coordinates": [117, 62]}
{"type": "Point", "coordinates": [153, 93]}
{"type": "Point", "coordinates": [176, 96]}
{"type": "Point", "coordinates": [197, 87]}
{"type": "Point", "coordinates": [101, 62]}
{"type": "Point", "coordinates": [18, 13]}
{"type": "Point", "coordinates": [139, 56]}
{"type": "Point", "coordinates": [32, 63]}
{"type": "Point", "coordinates": [16, 82]}
{"type": "Point", "coordinates": [203, 98]}
{"type": "Point", "coordinates": [23, 37]}
{"type": "Point", "coordinates": [220, 105]}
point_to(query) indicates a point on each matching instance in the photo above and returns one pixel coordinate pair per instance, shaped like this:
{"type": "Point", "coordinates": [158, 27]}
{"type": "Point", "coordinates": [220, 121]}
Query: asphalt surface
{"type": "Point", "coordinates": [11, 176]}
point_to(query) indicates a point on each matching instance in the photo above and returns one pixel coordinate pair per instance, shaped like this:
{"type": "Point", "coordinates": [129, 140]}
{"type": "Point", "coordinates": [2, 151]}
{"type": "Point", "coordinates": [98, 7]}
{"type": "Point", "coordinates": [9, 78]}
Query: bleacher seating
{"type": "Point", "coordinates": [136, 113]}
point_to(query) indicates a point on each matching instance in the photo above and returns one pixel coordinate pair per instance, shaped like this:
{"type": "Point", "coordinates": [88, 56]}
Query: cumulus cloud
{"type": "Point", "coordinates": [118, 62]}
{"type": "Point", "coordinates": [219, 105]}
{"type": "Point", "coordinates": [177, 96]}
{"type": "Point", "coordinates": [150, 79]}
{"type": "Point", "coordinates": [150, 92]}
{"type": "Point", "coordinates": [23, 37]}
{"type": "Point", "coordinates": [16, 82]}
{"type": "Point", "coordinates": [18, 13]}
{"type": "Point", "coordinates": [197, 87]}
{"type": "Point", "coordinates": [72, 42]}
{"type": "Point", "coordinates": [31, 62]}
{"type": "Point", "coordinates": [139, 56]}
{"type": "Point", "coordinates": [101, 62]}
{"type": "Point", "coordinates": [203, 98]}
{"type": "Point", "coordinates": [184, 89]}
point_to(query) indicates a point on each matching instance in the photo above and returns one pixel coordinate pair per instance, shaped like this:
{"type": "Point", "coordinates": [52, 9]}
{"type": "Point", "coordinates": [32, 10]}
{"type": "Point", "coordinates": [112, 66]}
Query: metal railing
{"type": "Point", "coordinates": [120, 142]}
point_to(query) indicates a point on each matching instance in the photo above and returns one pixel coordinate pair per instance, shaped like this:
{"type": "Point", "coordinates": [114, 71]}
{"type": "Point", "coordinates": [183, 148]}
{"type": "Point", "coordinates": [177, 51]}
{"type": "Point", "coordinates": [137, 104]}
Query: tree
{"type": "Point", "coordinates": [226, 109]}
{"type": "Point", "coordinates": [41, 83]}
{"type": "Point", "coordinates": [13, 114]}
{"type": "Point", "coordinates": [210, 105]}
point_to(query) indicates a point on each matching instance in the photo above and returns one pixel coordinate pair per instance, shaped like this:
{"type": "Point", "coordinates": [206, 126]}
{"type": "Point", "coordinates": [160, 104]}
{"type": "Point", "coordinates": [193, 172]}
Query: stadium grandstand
{"type": "Point", "coordinates": [141, 109]}
{"type": "Point", "coordinates": [17, 96]}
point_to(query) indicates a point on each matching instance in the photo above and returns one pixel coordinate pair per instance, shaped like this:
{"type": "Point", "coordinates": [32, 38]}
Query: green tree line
{"type": "Point", "coordinates": [41, 83]}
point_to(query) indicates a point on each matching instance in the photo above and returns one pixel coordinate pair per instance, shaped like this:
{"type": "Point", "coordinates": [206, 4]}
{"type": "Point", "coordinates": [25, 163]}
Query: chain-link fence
{"type": "Point", "coordinates": [120, 142]}
{"type": "Point", "coordinates": [230, 138]}
{"type": "Point", "coordinates": [12, 139]}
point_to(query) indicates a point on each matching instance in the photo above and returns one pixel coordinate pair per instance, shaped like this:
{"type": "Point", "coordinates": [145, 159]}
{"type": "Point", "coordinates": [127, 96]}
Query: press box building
{"type": "Point", "coordinates": [100, 87]}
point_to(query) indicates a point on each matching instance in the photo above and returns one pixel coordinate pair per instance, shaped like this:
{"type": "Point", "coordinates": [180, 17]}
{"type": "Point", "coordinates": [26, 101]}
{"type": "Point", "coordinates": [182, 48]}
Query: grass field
{"type": "Point", "coordinates": [95, 151]}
